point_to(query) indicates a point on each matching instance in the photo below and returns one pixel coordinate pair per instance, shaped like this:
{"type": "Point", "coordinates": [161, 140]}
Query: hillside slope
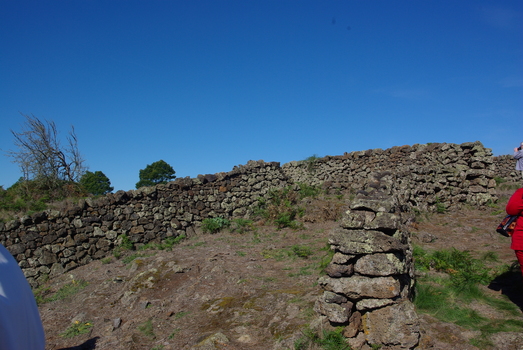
{"type": "Point", "coordinates": [254, 290]}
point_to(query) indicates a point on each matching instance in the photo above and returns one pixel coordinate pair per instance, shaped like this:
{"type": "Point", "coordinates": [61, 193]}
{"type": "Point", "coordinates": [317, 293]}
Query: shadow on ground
{"type": "Point", "coordinates": [510, 284]}
{"type": "Point", "coordinates": [87, 345]}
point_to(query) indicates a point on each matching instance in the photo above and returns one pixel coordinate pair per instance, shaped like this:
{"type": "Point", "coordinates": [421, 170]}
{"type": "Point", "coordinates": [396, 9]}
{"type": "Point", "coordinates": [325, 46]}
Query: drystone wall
{"type": "Point", "coordinates": [426, 177]}
{"type": "Point", "coordinates": [506, 168]}
{"type": "Point", "coordinates": [429, 177]}
{"type": "Point", "coordinates": [369, 281]}
{"type": "Point", "coordinates": [51, 242]}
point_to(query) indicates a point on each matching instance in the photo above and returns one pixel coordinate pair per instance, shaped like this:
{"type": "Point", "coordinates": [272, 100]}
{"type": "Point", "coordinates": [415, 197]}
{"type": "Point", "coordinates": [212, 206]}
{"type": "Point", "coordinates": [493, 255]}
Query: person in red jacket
{"type": "Point", "coordinates": [515, 207]}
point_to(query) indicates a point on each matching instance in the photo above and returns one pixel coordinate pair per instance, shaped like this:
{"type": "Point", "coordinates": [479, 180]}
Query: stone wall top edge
{"type": "Point", "coordinates": [428, 147]}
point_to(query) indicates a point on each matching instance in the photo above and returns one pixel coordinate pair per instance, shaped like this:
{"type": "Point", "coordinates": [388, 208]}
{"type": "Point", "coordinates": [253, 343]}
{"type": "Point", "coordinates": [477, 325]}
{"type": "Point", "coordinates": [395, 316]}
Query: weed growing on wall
{"type": "Point", "coordinates": [310, 163]}
{"type": "Point", "coordinates": [126, 243]}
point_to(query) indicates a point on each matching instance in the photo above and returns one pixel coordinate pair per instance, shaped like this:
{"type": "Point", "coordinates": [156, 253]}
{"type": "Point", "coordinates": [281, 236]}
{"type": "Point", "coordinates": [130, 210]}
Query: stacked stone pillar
{"type": "Point", "coordinates": [369, 281]}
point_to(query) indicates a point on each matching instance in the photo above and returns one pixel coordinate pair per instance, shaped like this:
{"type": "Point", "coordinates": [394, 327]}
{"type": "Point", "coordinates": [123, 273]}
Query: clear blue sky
{"type": "Point", "coordinates": [207, 85]}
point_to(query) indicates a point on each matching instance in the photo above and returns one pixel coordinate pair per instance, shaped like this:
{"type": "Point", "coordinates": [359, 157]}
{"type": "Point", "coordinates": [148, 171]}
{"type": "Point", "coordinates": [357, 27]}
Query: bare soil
{"type": "Point", "coordinates": [247, 291]}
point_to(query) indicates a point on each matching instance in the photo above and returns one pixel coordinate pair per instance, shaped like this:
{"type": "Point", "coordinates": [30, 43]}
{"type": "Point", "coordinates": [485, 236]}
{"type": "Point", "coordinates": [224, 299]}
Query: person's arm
{"type": "Point", "coordinates": [515, 203]}
{"type": "Point", "coordinates": [518, 154]}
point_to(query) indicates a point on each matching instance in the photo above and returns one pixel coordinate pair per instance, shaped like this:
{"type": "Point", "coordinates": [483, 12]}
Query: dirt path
{"type": "Point", "coordinates": [250, 290]}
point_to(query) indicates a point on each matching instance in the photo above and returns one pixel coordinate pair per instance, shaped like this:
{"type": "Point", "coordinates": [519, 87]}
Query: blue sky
{"type": "Point", "coordinates": [207, 85]}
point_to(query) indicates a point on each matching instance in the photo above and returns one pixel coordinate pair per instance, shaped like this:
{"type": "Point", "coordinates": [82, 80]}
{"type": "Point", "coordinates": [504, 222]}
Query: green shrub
{"type": "Point", "coordinates": [464, 271]}
{"type": "Point", "coordinates": [279, 207]}
{"type": "Point", "coordinates": [301, 251]}
{"type": "Point", "coordinates": [241, 225]}
{"type": "Point", "coordinates": [214, 225]}
{"type": "Point", "coordinates": [440, 207]}
{"type": "Point", "coordinates": [126, 243]}
{"type": "Point", "coordinates": [308, 191]}
{"type": "Point", "coordinates": [446, 295]}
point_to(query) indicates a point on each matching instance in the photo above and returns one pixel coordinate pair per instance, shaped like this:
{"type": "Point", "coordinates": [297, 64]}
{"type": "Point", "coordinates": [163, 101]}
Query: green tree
{"type": "Point", "coordinates": [96, 183]}
{"type": "Point", "coordinates": [156, 173]}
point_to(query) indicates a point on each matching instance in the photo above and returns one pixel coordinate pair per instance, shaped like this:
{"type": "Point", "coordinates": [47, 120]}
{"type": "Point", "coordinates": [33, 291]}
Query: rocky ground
{"type": "Point", "coordinates": [252, 290]}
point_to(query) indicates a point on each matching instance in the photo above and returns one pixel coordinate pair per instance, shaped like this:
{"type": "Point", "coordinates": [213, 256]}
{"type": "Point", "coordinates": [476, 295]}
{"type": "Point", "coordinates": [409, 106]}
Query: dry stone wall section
{"type": "Point", "coordinates": [422, 176]}
{"type": "Point", "coordinates": [506, 169]}
{"type": "Point", "coordinates": [51, 242]}
{"type": "Point", "coordinates": [427, 177]}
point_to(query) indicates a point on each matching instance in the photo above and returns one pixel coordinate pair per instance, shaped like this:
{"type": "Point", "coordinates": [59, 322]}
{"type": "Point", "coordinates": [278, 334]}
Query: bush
{"type": "Point", "coordinates": [241, 225]}
{"type": "Point", "coordinates": [463, 269]}
{"type": "Point", "coordinates": [126, 243]}
{"type": "Point", "coordinates": [302, 251]}
{"type": "Point", "coordinates": [308, 191]}
{"type": "Point", "coordinates": [279, 207]}
{"type": "Point", "coordinates": [214, 225]}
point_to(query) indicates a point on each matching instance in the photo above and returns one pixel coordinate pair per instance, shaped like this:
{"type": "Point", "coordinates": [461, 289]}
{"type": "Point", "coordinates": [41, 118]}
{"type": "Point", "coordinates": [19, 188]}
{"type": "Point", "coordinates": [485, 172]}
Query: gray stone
{"type": "Point", "coordinates": [354, 325]}
{"type": "Point", "coordinates": [335, 270]}
{"type": "Point", "coordinates": [380, 265]}
{"type": "Point", "coordinates": [395, 325]}
{"type": "Point", "coordinates": [355, 219]}
{"type": "Point", "coordinates": [47, 258]}
{"type": "Point", "coordinates": [341, 259]}
{"type": "Point", "coordinates": [358, 287]}
{"type": "Point", "coordinates": [369, 304]}
{"type": "Point", "coordinates": [336, 313]}
{"type": "Point", "coordinates": [330, 297]}
{"type": "Point", "coordinates": [98, 232]}
{"type": "Point", "coordinates": [17, 248]}
{"type": "Point", "coordinates": [364, 242]}
{"type": "Point", "coordinates": [111, 234]}
{"type": "Point", "coordinates": [384, 221]}
{"type": "Point", "coordinates": [385, 205]}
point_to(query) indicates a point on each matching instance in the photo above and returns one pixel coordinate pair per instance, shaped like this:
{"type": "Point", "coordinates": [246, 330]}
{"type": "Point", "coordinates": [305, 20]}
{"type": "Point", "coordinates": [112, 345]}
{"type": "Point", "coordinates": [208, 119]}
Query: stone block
{"type": "Point", "coordinates": [359, 287]}
{"type": "Point", "coordinates": [395, 325]}
{"type": "Point", "coordinates": [380, 265]}
{"type": "Point", "coordinates": [364, 242]}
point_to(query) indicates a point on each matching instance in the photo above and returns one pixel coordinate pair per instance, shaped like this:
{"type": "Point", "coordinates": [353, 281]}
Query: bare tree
{"type": "Point", "coordinates": [40, 154]}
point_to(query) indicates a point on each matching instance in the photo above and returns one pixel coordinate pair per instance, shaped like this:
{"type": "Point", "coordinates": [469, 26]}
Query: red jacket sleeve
{"type": "Point", "coordinates": [515, 203]}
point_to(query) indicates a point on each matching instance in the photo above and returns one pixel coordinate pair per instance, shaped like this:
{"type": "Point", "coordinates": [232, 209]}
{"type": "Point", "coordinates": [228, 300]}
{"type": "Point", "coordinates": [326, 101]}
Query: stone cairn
{"type": "Point", "coordinates": [370, 279]}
